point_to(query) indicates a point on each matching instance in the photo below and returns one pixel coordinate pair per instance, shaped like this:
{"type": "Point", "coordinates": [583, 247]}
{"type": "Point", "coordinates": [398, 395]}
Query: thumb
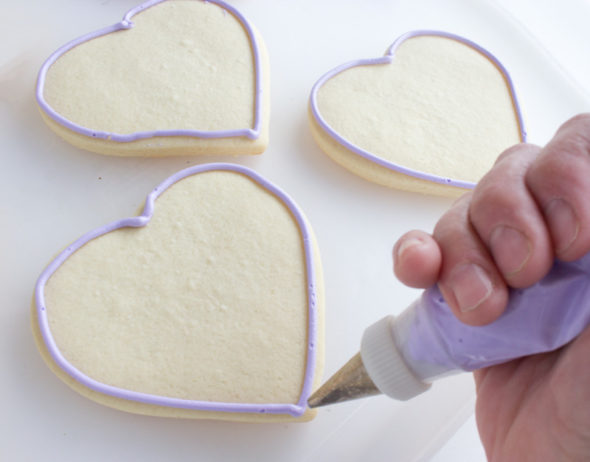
{"type": "Point", "coordinates": [417, 259]}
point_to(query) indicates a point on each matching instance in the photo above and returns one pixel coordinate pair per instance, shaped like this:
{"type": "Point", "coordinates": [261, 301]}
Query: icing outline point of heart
{"type": "Point", "coordinates": [294, 409]}
{"type": "Point", "coordinates": [127, 23]}
{"type": "Point", "coordinates": [387, 59]}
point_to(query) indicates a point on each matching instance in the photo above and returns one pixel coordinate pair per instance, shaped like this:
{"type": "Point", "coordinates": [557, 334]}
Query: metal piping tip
{"type": "Point", "coordinates": [350, 382]}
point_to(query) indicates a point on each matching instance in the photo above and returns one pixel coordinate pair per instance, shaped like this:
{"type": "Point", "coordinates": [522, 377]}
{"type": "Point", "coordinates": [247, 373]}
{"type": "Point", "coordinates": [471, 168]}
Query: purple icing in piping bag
{"type": "Point", "coordinates": [403, 355]}
{"type": "Point", "coordinates": [126, 23]}
{"type": "Point", "coordinates": [387, 59]}
{"type": "Point", "coordinates": [294, 409]}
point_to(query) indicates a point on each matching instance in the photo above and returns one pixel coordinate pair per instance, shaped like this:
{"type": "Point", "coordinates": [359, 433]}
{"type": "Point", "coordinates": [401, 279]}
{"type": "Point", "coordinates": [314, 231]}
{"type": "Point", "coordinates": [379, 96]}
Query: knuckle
{"type": "Point", "coordinates": [579, 123]}
{"type": "Point", "coordinates": [453, 220]}
{"type": "Point", "coordinates": [571, 141]}
{"type": "Point", "coordinates": [503, 187]}
{"type": "Point", "coordinates": [518, 152]}
{"type": "Point", "coordinates": [491, 196]}
{"type": "Point", "coordinates": [576, 145]}
{"type": "Point", "coordinates": [563, 165]}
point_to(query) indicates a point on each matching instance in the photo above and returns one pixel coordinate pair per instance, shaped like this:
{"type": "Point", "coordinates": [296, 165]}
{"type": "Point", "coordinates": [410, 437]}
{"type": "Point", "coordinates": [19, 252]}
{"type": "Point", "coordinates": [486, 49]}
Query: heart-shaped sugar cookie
{"type": "Point", "coordinates": [208, 304]}
{"type": "Point", "coordinates": [174, 77]}
{"type": "Point", "coordinates": [430, 116]}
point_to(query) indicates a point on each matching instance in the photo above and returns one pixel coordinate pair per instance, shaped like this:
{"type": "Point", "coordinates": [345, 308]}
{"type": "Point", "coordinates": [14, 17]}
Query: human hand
{"type": "Point", "coordinates": [531, 208]}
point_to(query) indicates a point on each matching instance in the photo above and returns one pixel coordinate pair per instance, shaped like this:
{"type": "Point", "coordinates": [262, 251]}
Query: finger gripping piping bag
{"type": "Point", "coordinates": [433, 342]}
{"type": "Point", "coordinates": [403, 355]}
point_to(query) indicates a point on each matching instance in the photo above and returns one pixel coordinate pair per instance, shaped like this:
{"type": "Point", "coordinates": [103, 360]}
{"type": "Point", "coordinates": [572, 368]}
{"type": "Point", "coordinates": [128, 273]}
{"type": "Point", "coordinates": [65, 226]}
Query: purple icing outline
{"type": "Point", "coordinates": [126, 23]}
{"type": "Point", "coordinates": [296, 409]}
{"type": "Point", "coordinates": [387, 59]}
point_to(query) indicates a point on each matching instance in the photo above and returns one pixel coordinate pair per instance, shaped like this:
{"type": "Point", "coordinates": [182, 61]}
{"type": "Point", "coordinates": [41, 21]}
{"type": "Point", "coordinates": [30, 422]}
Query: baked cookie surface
{"type": "Point", "coordinates": [209, 304]}
{"type": "Point", "coordinates": [430, 116]}
{"type": "Point", "coordinates": [174, 77]}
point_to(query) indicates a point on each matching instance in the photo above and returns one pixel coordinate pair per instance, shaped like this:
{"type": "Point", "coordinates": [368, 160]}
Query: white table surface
{"type": "Point", "coordinates": [54, 193]}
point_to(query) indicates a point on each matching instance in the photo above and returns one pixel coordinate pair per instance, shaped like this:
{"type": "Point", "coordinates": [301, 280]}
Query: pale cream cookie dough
{"type": "Point", "coordinates": [209, 304]}
{"type": "Point", "coordinates": [431, 116]}
{"type": "Point", "coordinates": [174, 77]}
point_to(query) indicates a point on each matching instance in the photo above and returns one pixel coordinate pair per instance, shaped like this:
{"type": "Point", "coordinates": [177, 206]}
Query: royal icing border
{"type": "Point", "coordinates": [387, 59]}
{"type": "Point", "coordinates": [126, 23]}
{"type": "Point", "coordinates": [294, 409]}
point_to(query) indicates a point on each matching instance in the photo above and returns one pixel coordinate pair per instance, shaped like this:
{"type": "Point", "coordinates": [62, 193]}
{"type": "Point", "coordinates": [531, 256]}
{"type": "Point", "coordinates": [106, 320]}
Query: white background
{"type": "Point", "coordinates": [54, 192]}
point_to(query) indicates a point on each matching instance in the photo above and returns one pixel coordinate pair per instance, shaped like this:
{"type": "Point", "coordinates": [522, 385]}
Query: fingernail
{"type": "Point", "coordinates": [511, 249]}
{"type": "Point", "coordinates": [471, 286]}
{"type": "Point", "coordinates": [563, 224]}
{"type": "Point", "coordinates": [407, 244]}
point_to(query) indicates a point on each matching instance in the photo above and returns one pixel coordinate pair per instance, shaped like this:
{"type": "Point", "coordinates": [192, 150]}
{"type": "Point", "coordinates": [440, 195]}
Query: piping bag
{"type": "Point", "coordinates": [401, 356]}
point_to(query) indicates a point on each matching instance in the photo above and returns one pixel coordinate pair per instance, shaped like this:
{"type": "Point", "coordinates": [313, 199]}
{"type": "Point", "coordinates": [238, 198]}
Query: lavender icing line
{"type": "Point", "coordinates": [126, 23]}
{"type": "Point", "coordinates": [294, 409]}
{"type": "Point", "coordinates": [387, 59]}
